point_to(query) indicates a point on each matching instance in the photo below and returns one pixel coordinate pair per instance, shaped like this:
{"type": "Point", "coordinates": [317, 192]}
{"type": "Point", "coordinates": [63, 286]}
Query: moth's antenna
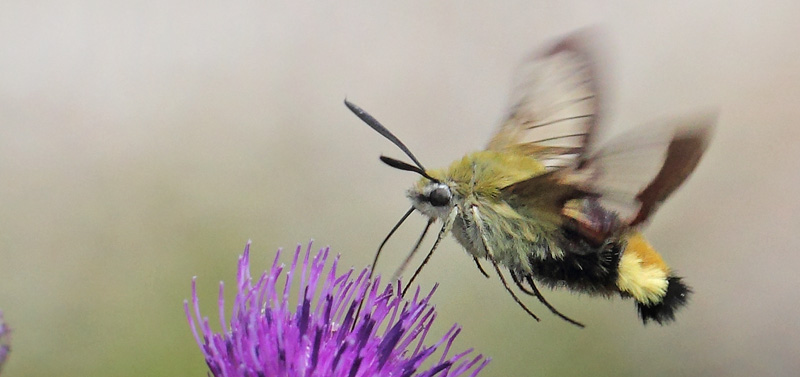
{"type": "Point", "coordinates": [397, 164]}
{"type": "Point", "coordinates": [377, 126]}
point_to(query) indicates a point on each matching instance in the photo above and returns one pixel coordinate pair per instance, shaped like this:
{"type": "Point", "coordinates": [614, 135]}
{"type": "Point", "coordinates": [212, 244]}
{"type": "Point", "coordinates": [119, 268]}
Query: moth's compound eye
{"type": "Point", "coordinates": [440, 196]}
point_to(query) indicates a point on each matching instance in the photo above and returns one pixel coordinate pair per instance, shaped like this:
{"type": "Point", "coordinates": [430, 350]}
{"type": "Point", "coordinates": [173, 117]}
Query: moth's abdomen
{"type": "Point", "coordinates": [584, 268]}
{"type": "Point", "coordinates": [628, 266]}
{"type": "Point", "coordinates": [643, 275]}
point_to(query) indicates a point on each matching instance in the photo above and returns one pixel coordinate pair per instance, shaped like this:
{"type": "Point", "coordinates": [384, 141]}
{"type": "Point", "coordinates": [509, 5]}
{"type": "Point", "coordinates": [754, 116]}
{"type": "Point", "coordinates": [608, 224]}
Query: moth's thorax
{"type": "Point", "coordinates": [484, 173]}
{"type": "Point", "coordinates": [477, 177]}
{"type": "Point", "coordinates": [477, 180]}
{"type": "Point", "coordinates": [481, 174]}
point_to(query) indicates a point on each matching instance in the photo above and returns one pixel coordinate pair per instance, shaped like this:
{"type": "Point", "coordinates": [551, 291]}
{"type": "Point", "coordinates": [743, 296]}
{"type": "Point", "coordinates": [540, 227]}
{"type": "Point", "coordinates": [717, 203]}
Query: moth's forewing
{"type": "Point", "coordinates": [555, 118]}
{"type": "Point", "coordinates": [555, 104]}
{"type": "Point", "coordinates": [544, 192]}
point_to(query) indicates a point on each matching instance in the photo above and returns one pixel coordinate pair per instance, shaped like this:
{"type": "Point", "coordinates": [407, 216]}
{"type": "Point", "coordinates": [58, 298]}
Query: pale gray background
{"type": "Point", "coordinates": [142, 143]}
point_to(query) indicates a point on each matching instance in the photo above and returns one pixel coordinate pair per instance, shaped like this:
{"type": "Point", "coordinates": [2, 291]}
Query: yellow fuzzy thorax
{"type": "Point", "coordinates": [484, 173]}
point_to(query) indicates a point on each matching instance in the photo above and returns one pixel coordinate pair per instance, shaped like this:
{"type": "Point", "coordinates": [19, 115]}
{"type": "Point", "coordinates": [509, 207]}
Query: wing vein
{"type": "Point", "coordinates": [560, 137]}
{"type": "Point", "coordinates": [584, 116]}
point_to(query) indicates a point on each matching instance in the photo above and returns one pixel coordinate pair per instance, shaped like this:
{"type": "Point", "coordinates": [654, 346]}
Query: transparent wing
{"type": "Point", "coordinates": [555, 104]}
{"type": "Point", "coordinates": [622, 184]}
{"type": "Point", "coordinates": [634, 174]}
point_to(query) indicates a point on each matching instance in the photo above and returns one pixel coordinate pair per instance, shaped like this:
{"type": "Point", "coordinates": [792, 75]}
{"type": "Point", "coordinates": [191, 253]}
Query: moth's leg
{"type": "Point", "coordinates": [535, 292]}
{"type": "Point", "coordinates": [478, 263]}
{"type": "Point", "coordinates": [521, 287]}
{"type": "Point", "coordinates": [378, 253]}
{"type": "Point", "coordinates": [385, 240]}
{"type": "Point", "coordinates": [448, 224]}
{"type": "Point", "coordinates": [413, 251]}
{"type": "Point", "coordinates": [541, 298]}
{"type": "Point", "coordinates": [479, 224]}
{"type": "Point", "coordinates": [472, 186]}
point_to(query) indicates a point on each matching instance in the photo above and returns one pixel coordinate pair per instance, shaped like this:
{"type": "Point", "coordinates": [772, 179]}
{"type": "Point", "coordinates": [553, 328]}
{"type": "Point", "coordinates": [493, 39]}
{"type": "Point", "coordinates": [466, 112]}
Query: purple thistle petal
{"type": "Point", "coordinates": [5, 347]}
{"type": "Point", "coordinates": [221, 304]}
{"type": "Point", "coordinates": [321, 337]}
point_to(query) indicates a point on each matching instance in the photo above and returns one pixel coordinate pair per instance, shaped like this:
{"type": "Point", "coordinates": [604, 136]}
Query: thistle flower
{"type": "Point", "coordinates": [5, 348]}
{"type": "Point", "coordinates": [323, 337]}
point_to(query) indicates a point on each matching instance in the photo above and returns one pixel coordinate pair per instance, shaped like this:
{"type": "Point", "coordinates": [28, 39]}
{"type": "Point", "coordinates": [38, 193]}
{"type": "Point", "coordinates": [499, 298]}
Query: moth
{"type": "Point", "coordinates": [543, 202]}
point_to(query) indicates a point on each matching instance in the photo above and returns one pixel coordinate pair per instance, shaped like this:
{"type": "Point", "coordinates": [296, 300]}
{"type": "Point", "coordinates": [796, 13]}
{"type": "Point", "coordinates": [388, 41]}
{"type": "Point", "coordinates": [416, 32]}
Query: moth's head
{"type": "Point", "coordinates": [432, 198]}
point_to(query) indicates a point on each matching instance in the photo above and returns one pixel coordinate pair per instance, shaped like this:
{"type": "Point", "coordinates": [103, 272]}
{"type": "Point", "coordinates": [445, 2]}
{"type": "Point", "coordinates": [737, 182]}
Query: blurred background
{"type": "Point", "coordinates": [143, 143]}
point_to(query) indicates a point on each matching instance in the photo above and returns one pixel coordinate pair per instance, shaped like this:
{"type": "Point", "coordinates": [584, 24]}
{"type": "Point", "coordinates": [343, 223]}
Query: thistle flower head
{"type": "Point", "coordinates": [326, 334]}
{"type": "Point", "coordinates": [5, 348]}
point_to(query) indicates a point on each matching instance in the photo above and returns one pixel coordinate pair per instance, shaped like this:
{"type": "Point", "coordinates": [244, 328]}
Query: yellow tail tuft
{"type": "Point", "coordinates": [642, 272]}
{"type": "Point", "coordinates": [644, 275]}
